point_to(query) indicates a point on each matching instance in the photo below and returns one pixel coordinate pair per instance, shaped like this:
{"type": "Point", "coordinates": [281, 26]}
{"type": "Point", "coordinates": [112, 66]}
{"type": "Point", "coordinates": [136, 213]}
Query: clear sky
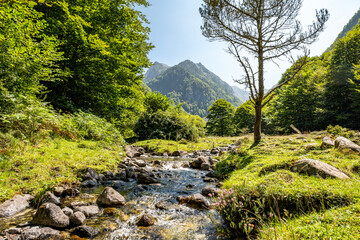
{"type": "Point", "coordinates": [175, 32]}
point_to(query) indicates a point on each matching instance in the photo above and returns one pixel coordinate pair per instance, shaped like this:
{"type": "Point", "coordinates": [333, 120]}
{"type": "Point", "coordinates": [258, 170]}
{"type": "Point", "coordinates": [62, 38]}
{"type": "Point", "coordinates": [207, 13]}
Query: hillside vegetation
{"type": "Point", "coordinates": [191, 84]}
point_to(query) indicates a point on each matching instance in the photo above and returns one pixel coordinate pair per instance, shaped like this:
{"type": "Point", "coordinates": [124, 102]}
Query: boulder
{"type": "Point", "coordinates": [133, 151]}
{"type": "Point", "coordinates": [317, 168]}
{"type": "Point", "coordinates": [140, 163]}
{"type": "Point", "coordinates": [40, 233]}
{"type": "Point", "coordinates": [77, 219]}
{"type": "Point", "coordinates": [91, 174]}
{"type": "Point", "coordinates": [196, 201]}
{"type": "Point", "coordinates": [130, 172]}
{"type": "Point", "coordinates": [199, 161]}
{"type": "Point", "coordinates": [207, 191]}
{"type": "Point", "coordinates": [15, 205]}
{"type": "Point", "coordinates": [205, 166]}
{"type": "Point", "coordinates": [211, 174]}
{"type": "Point", "coordinates": [71, 192]}
{"type": "Point", "coordinates": [67, 211]}
{"type": "Point", "coordinates": [186, 165]}
{"type": "Point", "coordinates": [145, 220]}
{"type": "Point", "coordinates": [85, 231]}
{"type": "Point", "coordinates": [210, 179]}
{"type": "Point", "coordinates": [178, 153]}
{"type": "Point", "coordinates": [344, 143]}
{"type": "Point", "coordinates": [121, 175]}
{"type": "Point", "coordinates": [50, 215]}
{"type": "Point", "coordinates": [145, 178]}
{"type": "Point", "coordinates": [110, 197]}
{"type": "Point", "coordinates": [89, 183]}
{"type": "Point", "coordinates": [51, 198]}
{"type": "Point", "coordinates": [88, 211]}
{"type": "Point", "coordinates": [214, 151]}
{"type": "Point", "coordinates": [327, 142]}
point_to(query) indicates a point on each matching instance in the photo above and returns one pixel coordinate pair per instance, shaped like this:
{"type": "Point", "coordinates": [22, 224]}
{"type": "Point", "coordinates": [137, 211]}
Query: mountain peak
{"type": "Point", "coordinates": [192, 84]}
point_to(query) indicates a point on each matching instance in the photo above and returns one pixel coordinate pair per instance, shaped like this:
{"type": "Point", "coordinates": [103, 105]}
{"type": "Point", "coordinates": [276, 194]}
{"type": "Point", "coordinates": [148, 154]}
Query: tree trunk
{"type": "Point", "coordinates": [257, 125]}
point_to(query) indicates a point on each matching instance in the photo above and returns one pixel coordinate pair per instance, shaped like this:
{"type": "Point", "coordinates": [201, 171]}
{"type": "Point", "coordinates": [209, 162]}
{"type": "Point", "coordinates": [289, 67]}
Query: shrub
{"type": "Point", "coordinates": [29, 118]}
{"type": "Point", "coordinates": [170, 125]}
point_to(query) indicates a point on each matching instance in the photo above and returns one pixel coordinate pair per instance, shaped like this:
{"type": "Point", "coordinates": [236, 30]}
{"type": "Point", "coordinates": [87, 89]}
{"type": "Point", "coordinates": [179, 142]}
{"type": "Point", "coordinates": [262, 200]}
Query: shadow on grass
{"type": "Point", "coordinates": [233, 162]}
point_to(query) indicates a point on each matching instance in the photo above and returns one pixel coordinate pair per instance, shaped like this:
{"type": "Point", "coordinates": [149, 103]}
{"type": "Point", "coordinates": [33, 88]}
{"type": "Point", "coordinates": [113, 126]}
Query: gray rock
{"type": "Point", "coordinates": [210, 179]}
{"type": "Point", "coordinates": [77, 219]}
{"type": "Point", "coordinates": [71, 192]}
{"type": "Point", "coordinates": [130, 172]}
{"type": "Point", "coordinates": [90, 183]}
{"type": "Point", "coordinates": [178, 153]}
{"type": "Point", "coordinates": [88, 211]}
{"type": "Point", "coordinates": [140, 163]}
{"type": "Point", "coordinates": [211, 174]}
{"type": "Point", "coordinates": [40, 233]}
{"type": "Point", "coordinates": [145, 178]}
{"type": "Point", "coordinates": [199, 161]}
{"type": "Point", "coordinates": [196, 201]}
{"type": "Point", "coordinates": [51, 198]}
{"type": "Point", "coordinates": [214, 151]}
{"type": "Point", "coordinates": [121, 175]}
{"type": "Point", "coordinates": [91, 174]}
{"type": "Point", "coordinates": [317, 168]}
{"type": "Point", "coordinates": [145, 220]}
{"type": "Point", "coordinates": [205, 166]}
{"type": "Point", "coordinates": [209, 190]}
{"type": "Point", "coordinates": [15, 205]}
{"type": "Point", "coordinates": [50, 215]}
{"type": "Point", "coordinates": [122, 166]}
{"type": "Point", "coordinates": [110, 197]}
{"type": "Point", "coordinates": [186, 165]}
{"type": "Point", "coordinates": [67, 211]}
{"type": "Point", "coordinates": [133, 151]}
{"type": "Point", "coordinates": [85, 231]}
{"type": "Point", "coordinates": [327, 142]}
{"type": "Point", "coordinates": [344, 143]}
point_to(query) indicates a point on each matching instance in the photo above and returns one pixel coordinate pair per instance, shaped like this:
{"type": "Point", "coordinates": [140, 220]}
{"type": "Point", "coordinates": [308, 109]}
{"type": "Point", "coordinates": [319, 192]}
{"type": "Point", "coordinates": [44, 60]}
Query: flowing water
{"type": "Point", "coordinates": [174, 221]}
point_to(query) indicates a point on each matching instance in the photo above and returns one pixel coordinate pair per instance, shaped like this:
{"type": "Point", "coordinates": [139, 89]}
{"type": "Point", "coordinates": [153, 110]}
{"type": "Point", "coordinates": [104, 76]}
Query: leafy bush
{"type": "Point", "coordinates": [156, 101]}
{"type": "Point", "coordinates": [28, 118]}
{"type": "Point", "coordinates": [89, 126]}
{"type": "Point", "coordinates": [170, 125]}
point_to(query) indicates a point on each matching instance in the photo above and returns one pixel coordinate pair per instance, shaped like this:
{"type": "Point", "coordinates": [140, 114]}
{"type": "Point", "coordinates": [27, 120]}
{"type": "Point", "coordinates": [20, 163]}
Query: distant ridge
{"type": "Point", "coordinates": [190, 83]}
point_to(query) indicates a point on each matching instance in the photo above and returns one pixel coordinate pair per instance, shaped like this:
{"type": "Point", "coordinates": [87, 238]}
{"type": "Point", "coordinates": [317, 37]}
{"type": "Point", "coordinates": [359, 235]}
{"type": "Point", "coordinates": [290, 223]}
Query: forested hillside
{"type": "Point", "coordinates": [191, 84]}
{"type": "Point", "coordinates": [325, 92]}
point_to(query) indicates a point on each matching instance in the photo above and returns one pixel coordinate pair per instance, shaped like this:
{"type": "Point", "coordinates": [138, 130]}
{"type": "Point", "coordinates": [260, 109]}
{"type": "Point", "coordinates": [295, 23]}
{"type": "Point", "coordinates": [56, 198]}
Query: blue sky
{"type": "Point", "coordinates": [175, 32]}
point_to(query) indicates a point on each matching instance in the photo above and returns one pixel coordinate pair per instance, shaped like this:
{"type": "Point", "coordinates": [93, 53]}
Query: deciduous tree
{"type": "Point", "coordinates": [267, 30]}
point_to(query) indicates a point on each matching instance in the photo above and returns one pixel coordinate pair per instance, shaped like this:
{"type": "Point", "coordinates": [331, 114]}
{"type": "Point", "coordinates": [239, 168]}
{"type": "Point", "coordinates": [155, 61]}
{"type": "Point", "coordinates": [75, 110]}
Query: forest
{"type": "Point", "coordinates": [72, 98]}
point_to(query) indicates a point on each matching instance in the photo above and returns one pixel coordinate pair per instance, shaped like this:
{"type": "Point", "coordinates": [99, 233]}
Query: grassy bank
{"type": "Point", "coordinates": [33, 168]}
{"type": "Point", "coordinates": [286, 205]}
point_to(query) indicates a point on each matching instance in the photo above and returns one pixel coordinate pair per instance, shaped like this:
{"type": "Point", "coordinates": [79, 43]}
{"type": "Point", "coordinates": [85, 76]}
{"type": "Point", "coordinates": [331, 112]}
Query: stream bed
{"type": "Point", "coordinates": [173, 221]}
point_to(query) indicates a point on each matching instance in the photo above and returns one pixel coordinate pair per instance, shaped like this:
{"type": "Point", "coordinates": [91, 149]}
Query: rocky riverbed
{"type": "Point", "coordinates": [147, 198]}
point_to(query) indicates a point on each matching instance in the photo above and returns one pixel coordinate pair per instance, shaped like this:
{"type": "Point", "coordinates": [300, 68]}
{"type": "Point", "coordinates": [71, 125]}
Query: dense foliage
{"type": "Point", "coordinates": [220, 118]}
{"type": "Point", "coordinates": [190, 84]}
{"type": "Point", "coordinates": [163, 120]}
{"type": "Point", "coordinates": [325, 92]}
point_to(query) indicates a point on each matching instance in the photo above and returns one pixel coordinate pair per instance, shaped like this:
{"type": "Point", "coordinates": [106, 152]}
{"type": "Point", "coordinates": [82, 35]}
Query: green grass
{"type": "Point", "coordinates": [28, 168]}
{"type": "Point", "coordinates": [309, 207]}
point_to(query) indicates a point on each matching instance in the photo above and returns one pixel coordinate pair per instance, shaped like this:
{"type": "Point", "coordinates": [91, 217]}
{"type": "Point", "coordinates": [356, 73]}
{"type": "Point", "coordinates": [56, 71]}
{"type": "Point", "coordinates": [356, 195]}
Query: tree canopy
{"type": "Point", "coordinates": [220, 118]}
